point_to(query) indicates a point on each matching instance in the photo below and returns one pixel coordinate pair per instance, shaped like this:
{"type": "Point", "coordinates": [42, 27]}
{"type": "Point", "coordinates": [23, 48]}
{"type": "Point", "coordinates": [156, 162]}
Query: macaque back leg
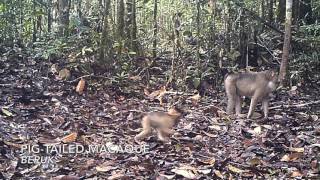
{"type": "Point", "coordinates": [238, 105]}
{"type": "Point", "coordinates": [168, 131]}
{"type": "Point", "coordinates": [265, 106]}
{"type": "Point", "coordinates": [162, 135]}
{"type": "Point", "coordinates": [146, 129]}
{"type": "Point", "coordinates": [231, 92]}
{"type": "Point", "coordinates": [254, 101]}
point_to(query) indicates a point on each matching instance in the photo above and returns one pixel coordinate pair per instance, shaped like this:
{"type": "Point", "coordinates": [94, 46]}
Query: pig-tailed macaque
{"type": "Point", "coordinates": [257, 85]}
{"type": "Point", "coordinates": [163, 122]}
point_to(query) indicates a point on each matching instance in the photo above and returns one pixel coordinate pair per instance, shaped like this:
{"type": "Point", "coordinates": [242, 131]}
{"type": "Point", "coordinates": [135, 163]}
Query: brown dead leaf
{"type": "Point", "coordinates": [186, 171]}
{"type": "Point", "coordinates": [80, 86]}
{"type": "Point", "coordinates": [18, 146]}
{"type": "Point", "coordinates": [218, 173]}
{"type": "Point", "coordinates": [146, 92]}
{"type": "Point", "coordinates": [130, 117]}
{"type": "Point", "coordinates": [285, 158]}
{"type": "Point", "coordinates": [234, 169]}
{"type": "Point", "coordinates": [70, 138]}
{"type": "Point", "coordinates": [291, 157]}
{"type": "Point", "coordinates": [257, 130]}
{"type": "Point", "coordinates": [296, 174]}
{"type": "Point", "coordinates": [64, 74]}
{"type": "Point", "coordinates": [209, 161]}
{"type": "Point", "coordinates": [135, 78]}
{"type": "Point", "coordinates": [105, 167]}
{"type": "Point", "coordinates": [254, 161]}
{"type": "Point", "coordinates": [158, 93]}
{"type": "Point", "coordinates": [299, 150]}
{"type": "Point", "coordinates": [66, 177]}
{"type": "Point", "coordinates": [314, 164]}
{"type": "Point", "coordinates": [119, 175]}
{"type": "Point", "coordinates": [195, 99]}
{"type": "Point", "coordinates": [165, 176]}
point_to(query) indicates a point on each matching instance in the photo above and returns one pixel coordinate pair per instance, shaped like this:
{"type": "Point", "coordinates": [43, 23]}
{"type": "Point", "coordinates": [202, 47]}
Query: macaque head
{"type": "Point", "coordinates": [176, 111]}
{"type": "Point", "coordinates": [272, 77]}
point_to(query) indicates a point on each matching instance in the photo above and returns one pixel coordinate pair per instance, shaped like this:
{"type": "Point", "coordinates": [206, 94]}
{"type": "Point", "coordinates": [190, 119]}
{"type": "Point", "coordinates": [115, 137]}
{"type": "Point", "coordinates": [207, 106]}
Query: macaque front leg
{"type": "Point", "coordinates": [265, 106]}
{"type": "Point", "coordinates": [143, 134]}
{"type": "Point", "coordinates": [162, 135]}
{"type": "Point", "coordinates": [231, 104]}
{"type": "Point", "coordinates": [253, 104]}
{"type": "Point", "coordinates": [238, 105]}
{"type": "Point", "coordinates": [146, 129]}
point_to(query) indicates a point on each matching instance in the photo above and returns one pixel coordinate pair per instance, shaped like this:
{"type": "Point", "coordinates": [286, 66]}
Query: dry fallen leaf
{"type": "Point", "coordinates": [186, 171]}
{"type": "Point", "coordinates": [285, 158]}
{"type": "Point", "coordinates": [158, 94]}
{"type": "Point", "coordinates": [257, 130]}
{"type": "Point", "coordinates": [218, 173]}
{"type": "Point", "coordinates": [80, 86]}
{"type": "Point", "coordinates": [254, 161]}
{"type": "Point", "coordinates": [6, 112]}
{"type": "Point", "coordinates": [118, 175]}
{"type": "Point", "coordinates": [66, 177]}
{"type": "Point", "coordinates": [70, 138]}
{"type": "Point", "coordinates": [18, 146]}
{"type": "Point", "coordinates": [105, 167]}
{"type": "Point", "coordinates": [130, 117]}
{"type": "Point", "coordinates": [296, 174]}
{"type": "Point", "coordinates": [234, 169]}
{"type": "Point", "coordinates": [64, 74]}
{"type": "Point", "coordinates": [299, 150]}
{"type": "Point", "coordinates": [291, 157]}
{"type": "Point", "coordinates": [195, 99]}
{"type": "Point", "coordinates": [165, 176]}
{"type": "Point", "coordinates": [135, 78]}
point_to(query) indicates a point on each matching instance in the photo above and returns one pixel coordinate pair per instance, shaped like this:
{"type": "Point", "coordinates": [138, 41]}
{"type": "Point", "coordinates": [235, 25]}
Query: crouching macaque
{"type": "Point", "coordinates": [163, 122]}
{"type": "Point", "coordinates": [257, 85]}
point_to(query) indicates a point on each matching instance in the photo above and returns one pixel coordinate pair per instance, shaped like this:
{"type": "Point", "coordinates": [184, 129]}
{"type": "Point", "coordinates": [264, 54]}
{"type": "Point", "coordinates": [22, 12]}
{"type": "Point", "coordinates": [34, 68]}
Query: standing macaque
{"type": "Point", "coordinates": [257, 85]}
{"type": "Point", "coordinates": [163, 122]}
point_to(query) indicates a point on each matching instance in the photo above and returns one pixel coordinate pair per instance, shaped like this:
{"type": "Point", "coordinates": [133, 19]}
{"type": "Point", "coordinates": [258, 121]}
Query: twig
{"type": "Point", "coordinates": [295, 105]}
{"type": "Point", "coordinates": [6, 85]}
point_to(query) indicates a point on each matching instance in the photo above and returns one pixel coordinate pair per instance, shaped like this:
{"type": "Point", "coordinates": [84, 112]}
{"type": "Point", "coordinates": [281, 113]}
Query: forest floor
{"type": "Point", "coordinates": [37, 111]}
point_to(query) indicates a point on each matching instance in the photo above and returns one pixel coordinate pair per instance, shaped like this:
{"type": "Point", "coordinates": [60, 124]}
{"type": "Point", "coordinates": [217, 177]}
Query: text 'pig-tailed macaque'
{"type": "Point", "coordinates": [257, 85]}
{"type": "Point", "coordinates": [163, 122]}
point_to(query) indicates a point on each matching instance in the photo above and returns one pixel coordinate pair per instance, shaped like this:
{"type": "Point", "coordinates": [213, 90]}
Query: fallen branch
{"type": "Point", "coordinates": [295, 105]}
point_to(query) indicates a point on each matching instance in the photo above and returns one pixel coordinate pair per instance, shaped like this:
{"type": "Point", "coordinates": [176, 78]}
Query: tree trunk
{"type": "Point", "coordinates": [243, 38]}
{"type": "Point", "coordinates": [106, 46]}
{"type": "Point", "coordinates": [120, 20]}
{"type": "Point", "coordinates": [155, 29]}
{"type": "Point", "coordinates": [198, 35]}
{"type": "Point", "coordinates": [281, 11]}
{"type": "Point", "coordinates": [286, 44]}
{"type": "Point", "coordinates": [270, 13]}
{"type": "Point", "coordinates": [295, 11]}
{"type": "Point", "coordinates": [135, 44]}
{"type": "Point", "coordinates": [49, 11]}
{"type": "Point", "coordinates": [34, 22]}
{"type": "Point", "coordinates": [213, 24]}
{"type": "Point", "coordinates": [64, 8]}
